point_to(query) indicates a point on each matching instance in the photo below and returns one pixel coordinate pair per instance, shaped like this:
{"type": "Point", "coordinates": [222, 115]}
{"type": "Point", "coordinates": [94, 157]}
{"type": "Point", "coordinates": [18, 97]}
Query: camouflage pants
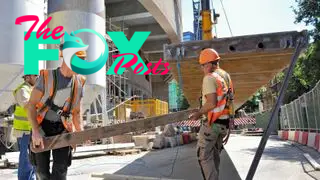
{"type": "Point", "coordinates": [208, 149]}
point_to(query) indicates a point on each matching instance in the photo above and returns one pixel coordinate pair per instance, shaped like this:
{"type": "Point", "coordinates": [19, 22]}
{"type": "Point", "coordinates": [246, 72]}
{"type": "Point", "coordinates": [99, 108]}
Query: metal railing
{"type": "Point", "coordinates": [303, 113]}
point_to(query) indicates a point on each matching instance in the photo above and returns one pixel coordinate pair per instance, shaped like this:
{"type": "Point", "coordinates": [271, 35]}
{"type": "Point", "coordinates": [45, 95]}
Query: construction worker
{"type": "Point", "coordinates": [22, 127]}
{"type": "Point", "coordinates": [217, 92]}
{"type": "Point", "coordinates": [54, 108]}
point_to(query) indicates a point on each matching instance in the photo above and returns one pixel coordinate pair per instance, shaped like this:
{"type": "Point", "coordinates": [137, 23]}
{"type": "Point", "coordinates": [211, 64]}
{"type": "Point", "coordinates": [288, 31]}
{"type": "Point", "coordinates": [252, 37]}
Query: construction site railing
{"type": "Point", "coordinates": [302, 114]}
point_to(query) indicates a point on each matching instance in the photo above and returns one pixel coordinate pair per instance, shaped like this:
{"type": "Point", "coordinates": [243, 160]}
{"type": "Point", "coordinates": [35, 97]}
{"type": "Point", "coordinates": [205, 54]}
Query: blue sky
{"type": "Point", "coordinates": [248, 16]}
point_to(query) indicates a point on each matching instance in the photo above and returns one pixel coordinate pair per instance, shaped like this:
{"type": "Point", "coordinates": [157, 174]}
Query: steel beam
{"type": "Point", "coordinates": [131, 17]}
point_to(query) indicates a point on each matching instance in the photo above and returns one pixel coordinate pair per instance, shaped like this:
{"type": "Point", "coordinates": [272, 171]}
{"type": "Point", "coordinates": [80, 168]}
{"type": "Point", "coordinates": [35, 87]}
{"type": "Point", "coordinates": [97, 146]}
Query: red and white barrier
{"type": "Point", "coordinates": [317, 142]}
{"type": "Point", "coordinates": [300, 137]}
{"type": "Point", "coordinates": [285, 135]}
{"type": "Point", "coordinates": [303, 138]}
{"type": "Point", "coordinates": [280, 134]}
{"type": "Point", "coordinates": [291, 135]}
{"type": "Point", "coordinates": [296, 136]}
{"type": "Point", "coordinates": [311, 139]}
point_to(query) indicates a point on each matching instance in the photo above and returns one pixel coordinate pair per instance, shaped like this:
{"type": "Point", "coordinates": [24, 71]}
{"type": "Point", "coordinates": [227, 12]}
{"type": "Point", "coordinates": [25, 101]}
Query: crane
{"type": "Point", "coordinates": [203, 28]}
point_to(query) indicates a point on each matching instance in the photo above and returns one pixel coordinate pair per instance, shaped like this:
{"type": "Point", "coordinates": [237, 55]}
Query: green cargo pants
{"type": "Point", "coordinates": [208, 149]}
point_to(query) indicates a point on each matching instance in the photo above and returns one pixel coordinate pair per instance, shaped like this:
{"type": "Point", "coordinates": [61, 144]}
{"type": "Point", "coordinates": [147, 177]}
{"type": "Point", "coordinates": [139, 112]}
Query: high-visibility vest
{"type": "Point", "coordinates": [50, 90]}
{"type": "Point", "coordinates": [20, 121]}
{"type": "Point", "coordinates": [220, 111]}
{"type": "Point", "coordinates": [226, 77]}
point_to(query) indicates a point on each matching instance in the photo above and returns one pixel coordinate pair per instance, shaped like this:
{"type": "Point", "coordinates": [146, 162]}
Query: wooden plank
{"type": "Point", "coordinates": [67, 139]}
{"type": "Point", "coordinates": [124, 177]}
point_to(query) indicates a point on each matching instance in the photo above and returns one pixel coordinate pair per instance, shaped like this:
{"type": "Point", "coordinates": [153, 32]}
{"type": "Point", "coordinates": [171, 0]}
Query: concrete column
{"type": "Point", "coordinates": [12, 44]}
{"type": "Point", "coordinates": [80, 14]}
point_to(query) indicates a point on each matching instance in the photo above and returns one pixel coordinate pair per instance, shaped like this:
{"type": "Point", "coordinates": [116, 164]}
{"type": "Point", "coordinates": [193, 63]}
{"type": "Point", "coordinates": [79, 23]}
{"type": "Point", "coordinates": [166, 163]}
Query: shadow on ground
{"type": "Point", "coordinates": [176, 163]}
{"type": "Point", "coordinates": [285, 151]}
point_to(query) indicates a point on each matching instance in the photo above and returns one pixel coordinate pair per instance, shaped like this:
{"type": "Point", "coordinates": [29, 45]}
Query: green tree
{"type": "Point", "coordinates": [184, 104]}
{"type": "Point", "coordinates": [306, 72]}
{"type": "Point", "coordinates": [252, 105]}
{"type": "Point", "coordinates": [308, 11]}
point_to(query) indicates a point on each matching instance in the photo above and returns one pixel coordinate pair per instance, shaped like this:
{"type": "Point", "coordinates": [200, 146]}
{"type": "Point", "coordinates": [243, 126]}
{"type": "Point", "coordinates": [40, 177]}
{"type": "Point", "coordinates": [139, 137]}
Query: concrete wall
{"type": "Point", "coordinates": [168, 15]}
{"type": "Point", "coordinates": [160, 91]}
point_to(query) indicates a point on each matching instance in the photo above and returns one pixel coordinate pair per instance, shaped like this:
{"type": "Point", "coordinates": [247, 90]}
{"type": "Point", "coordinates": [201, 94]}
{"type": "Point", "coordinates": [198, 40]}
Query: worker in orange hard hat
{"type": "Point", "coordinates": [53, 109]}
{"type": "Point", "coordinates": [216, 113]}
{"type": "Point", "coordinates": [81, 54]}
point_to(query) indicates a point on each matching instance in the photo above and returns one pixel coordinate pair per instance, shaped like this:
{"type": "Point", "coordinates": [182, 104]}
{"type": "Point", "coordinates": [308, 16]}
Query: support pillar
{"type": "Point", "coordinates": [82, 14]}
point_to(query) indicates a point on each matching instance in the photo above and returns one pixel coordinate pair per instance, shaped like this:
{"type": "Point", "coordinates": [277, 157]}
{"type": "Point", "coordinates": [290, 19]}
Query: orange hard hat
{"type": "Point", "coordinates": [81, 54]}
{"type": "Point", "coordinates": [208, 55]}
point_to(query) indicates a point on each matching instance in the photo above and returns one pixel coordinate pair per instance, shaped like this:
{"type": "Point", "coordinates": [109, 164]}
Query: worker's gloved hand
{"type": "Point", "coordinates": [74, 147]}
{"type": "Point", "coordinates": [37, 139]}
{"type": "Point", "coordinates": [87, 143]}
{"type": "Point", "coordinates": [195, 115]}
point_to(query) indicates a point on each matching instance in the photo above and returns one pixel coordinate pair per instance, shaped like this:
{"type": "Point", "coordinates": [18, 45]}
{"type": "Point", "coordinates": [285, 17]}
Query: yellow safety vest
{"type": "Point", "coordinates": [20, 121]}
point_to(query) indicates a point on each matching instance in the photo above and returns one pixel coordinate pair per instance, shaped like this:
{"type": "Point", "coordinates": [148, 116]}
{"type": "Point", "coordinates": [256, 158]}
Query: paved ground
{"type": "Point", "coordinates": [281, 160]}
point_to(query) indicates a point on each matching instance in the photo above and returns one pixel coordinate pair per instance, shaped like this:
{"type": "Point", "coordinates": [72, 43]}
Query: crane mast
{"type": "Point", "coordinates": [203, 28]}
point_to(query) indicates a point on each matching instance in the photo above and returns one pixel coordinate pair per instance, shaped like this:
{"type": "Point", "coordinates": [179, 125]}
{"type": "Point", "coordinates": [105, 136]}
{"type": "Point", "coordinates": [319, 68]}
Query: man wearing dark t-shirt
{"type": "Point", "coordinates": [52, 123]}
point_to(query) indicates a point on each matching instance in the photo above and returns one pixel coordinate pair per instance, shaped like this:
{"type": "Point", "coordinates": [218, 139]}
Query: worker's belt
{"type": "Point", "coordinates": [223, 122]}
{"type": "Point", "coordinates": [219, 121]}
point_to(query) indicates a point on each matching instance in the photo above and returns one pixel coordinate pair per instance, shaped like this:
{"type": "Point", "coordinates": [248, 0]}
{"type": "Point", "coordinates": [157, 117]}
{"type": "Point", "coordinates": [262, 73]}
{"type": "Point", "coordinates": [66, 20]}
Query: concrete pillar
{"type": "Point", "coordinates": [80, 14]}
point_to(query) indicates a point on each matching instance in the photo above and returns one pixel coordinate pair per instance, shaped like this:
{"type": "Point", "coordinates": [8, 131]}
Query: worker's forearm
{"type": "Point", "coordinates": [206, 108]}
{"type": "Point", "coordinates": [77, 121]}
{"type": "Point", "coordinates": [32, 117]}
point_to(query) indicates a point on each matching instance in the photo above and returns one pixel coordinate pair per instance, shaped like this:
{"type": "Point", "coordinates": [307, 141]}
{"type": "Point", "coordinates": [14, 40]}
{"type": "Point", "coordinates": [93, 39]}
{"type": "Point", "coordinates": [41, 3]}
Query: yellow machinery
{"type": "Point", "coordinates": [206, 20]}
{"type": "Point", "coordinates": [150, 107]}
{"type": "Point", "coordinates": [142, 108]}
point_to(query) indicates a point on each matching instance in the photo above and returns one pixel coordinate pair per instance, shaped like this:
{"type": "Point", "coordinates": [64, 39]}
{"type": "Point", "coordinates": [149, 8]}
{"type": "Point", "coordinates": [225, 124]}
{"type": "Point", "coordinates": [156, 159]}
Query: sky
{"type": "Point", "coordinates": [248, 17]}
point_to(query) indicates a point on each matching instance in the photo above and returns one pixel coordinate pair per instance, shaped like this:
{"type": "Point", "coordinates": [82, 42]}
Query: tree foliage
{"type": "Point", "coordinates": [306, 73]}
{"type": "Point", "coordinates": [308, 11]}
{"type": "Point", "coordinates": [307, 70]}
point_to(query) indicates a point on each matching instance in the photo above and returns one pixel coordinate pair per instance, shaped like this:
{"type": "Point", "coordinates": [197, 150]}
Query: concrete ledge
{"type": "Point", "coordinates": [313, 162]}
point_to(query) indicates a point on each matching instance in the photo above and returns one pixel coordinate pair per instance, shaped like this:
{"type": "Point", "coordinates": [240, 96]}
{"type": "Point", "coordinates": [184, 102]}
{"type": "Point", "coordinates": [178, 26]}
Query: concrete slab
{"type": "Point", "coordinates": [313, 162]}
{"type": "Point", "coordinates": [251, 61]}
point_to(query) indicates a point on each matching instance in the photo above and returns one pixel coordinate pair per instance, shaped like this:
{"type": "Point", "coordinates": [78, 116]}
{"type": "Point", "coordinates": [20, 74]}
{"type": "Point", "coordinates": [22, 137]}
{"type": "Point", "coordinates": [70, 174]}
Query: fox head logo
{"type": "Point", "coordinates": [74, 44]}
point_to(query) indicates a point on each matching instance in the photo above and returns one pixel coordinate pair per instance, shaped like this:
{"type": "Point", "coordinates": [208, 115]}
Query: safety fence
{"type": "Point", "coordinates": [299, 120]}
